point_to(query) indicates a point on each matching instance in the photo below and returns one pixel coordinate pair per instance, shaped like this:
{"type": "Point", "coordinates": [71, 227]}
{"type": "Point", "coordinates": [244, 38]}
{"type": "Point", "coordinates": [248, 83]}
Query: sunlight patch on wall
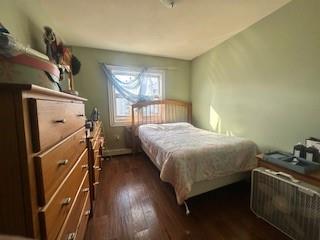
{"type": "Point", "coordinates": [215, 120]}
{"type": "Point", "coordinates": [216, 123]}
{"type": "Point", "coordinates": [229, 133]}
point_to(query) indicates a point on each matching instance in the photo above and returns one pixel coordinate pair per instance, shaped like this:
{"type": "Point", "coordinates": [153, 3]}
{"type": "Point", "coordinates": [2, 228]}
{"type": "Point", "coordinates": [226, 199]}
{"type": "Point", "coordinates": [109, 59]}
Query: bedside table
{"type": "Point", "coordinates": [312, 178]}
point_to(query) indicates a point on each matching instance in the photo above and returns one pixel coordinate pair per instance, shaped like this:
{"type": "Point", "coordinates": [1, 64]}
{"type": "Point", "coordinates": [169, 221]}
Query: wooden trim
{"type": "Point", "coordinates": [164, 101]}
{"type": "Point", "coordinates": [169, 111]}
{"type": "Point", "coordinates": [90, 171]}
{"type": "Point", "coordinates": [34, 124]}
{"type": "Point", "coordinates": [161, 118]}
{"type": "Point", "coordinates": [28, 170]}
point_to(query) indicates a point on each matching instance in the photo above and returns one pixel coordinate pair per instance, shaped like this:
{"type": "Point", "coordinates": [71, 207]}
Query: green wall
{"type": "Point", "coordinates": [25, 21]}
{"type": "Point", "coordinates": [264, 83]}
{"type": "Point", "coordinates": [92, 84]}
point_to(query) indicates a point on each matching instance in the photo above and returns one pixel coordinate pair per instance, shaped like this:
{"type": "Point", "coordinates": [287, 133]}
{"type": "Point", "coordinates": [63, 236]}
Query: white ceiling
{"type": "Point", "coordinates": [147, 27]}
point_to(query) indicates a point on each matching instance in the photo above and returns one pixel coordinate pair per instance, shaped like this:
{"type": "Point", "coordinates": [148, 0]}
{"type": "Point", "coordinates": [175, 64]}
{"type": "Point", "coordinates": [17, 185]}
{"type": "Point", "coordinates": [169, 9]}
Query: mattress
{"type": "Point", "coordinates": [186, 154]}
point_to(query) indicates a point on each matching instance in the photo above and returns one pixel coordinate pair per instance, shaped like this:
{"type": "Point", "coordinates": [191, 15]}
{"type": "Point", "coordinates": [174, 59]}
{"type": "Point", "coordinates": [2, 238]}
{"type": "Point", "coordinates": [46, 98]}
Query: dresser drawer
{"type": "Point", "coordinates": [97, 129]}
{"type": "Point", "coordinates": [97, 156]}
{"type": "Point", "coordinates": [69, 228]}
{"type": "Point", "coordinates": [82, 227]}
{"type": "Point", "coordinates": [53, 215]}
{"type": "Point", "coordinates": [98, 144]}
{"type": "Point", "coordinates": [97, 165]}
{"type": "Point", "coordinates": [53, 121]}
{"type": "Point", "coordinates": [96, 134]}
{"type": "Point", "coordinates": [53, 165]}
{"type": "Point", "coordinates": [96, 179]}
{"type": "Point", "coordinates": [97, 170]}
{"type": "Point", "coordinates": [95, 144]}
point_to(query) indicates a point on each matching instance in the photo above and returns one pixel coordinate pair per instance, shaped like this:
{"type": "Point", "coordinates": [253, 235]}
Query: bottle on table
{"type": "Point", "coordinates": [299, 150]}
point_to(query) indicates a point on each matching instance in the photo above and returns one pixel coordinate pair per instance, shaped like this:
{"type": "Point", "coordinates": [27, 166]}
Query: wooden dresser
{"type": "Point", "coordinates": [44, 163]}
{"type": "Point", "coordinates": [95, 148]}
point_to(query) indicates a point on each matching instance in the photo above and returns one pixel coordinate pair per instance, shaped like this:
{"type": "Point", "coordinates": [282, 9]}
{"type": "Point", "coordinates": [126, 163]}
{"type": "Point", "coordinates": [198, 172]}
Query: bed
{"type": "Point", "coordinates": [192, 160]}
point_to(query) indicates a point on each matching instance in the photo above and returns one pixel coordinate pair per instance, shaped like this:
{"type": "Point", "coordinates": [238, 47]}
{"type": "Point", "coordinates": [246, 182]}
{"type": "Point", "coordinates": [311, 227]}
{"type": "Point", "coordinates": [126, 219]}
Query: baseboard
{"type": "Point", "coordinates": [119, 151]}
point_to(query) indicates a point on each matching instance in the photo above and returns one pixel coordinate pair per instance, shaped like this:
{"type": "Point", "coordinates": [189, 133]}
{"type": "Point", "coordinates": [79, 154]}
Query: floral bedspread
{"type": "Point", "coordinates": [186, 154]}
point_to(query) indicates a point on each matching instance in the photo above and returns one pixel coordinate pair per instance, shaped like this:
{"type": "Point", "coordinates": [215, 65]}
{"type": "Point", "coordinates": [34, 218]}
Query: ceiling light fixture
{"type": "Point", "coordinates": [168, 3]}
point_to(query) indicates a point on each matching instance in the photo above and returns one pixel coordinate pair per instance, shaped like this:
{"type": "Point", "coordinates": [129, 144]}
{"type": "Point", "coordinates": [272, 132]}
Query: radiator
{"type": "Point", "coordinates": [290, 205]}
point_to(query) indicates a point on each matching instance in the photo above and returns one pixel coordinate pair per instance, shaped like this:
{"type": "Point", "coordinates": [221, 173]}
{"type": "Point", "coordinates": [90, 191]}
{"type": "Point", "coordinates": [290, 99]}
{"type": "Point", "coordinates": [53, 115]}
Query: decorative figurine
{"type": "Point", "coordinates": [63, 57]}
{"type": "Point", "coordinates": [51, 45]}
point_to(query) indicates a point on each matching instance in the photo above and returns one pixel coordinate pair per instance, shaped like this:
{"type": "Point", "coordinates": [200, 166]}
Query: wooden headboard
{"type": "Point", "coordinates": [161, 111]}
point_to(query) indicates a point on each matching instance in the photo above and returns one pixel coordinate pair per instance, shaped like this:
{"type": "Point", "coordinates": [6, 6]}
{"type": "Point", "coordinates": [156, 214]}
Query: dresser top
{"type": "Point", "coordinates": [37, 89]}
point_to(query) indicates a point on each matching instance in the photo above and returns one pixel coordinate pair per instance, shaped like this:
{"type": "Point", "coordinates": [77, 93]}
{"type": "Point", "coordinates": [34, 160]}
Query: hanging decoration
{"type": "Point", "coordinates": [134, 90]}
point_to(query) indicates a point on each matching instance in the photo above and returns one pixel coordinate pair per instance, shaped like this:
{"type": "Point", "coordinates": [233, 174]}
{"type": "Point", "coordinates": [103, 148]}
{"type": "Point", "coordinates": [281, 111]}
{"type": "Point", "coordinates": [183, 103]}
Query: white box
{"type": "Point", "coordinates": [314, 143]}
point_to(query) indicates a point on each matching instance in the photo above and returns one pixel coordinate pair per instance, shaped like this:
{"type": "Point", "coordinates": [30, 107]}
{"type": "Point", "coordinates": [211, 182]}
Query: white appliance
{"type": "Point", "coordinates": [290, 205]}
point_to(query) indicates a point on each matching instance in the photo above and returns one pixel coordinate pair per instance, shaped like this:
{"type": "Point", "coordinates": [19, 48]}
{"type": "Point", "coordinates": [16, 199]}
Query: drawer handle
{"type": "Point", "coordinates": [80, 115]}
{"type": "Point", "coordinates": [96, 183]}
{"type": "Point", "coordinates": [71, 236]}
{"type": "Point", "coordinates": [85, 190]}
{"type": "Point", "coordinates": [84, 166]}
{"type": "Point", "coordinates": [61, 120]}
{"type": "Point", "coordinates": [97, 168]}
{"type": "Point", "coordinates": [87, 213]}
{"type": "Point", "coordinates": [63, 162]}
{"type": "Point", "coordinates": [66, 201]}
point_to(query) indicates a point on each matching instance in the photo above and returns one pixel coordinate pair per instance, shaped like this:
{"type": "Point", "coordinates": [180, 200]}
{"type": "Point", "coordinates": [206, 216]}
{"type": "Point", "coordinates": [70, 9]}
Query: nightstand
{"type": "Point", "coordinates": [311, 178]}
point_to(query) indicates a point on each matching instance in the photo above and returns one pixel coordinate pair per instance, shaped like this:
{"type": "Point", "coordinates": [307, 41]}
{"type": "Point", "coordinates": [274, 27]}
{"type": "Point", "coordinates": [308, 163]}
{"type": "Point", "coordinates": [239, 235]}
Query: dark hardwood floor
{"type": "Point", "coordinates": [133, 203]}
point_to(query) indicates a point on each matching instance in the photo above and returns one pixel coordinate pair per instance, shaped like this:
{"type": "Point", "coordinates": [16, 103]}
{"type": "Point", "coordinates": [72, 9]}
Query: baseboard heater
{"type": "Point", "coordinates": [290, 205]}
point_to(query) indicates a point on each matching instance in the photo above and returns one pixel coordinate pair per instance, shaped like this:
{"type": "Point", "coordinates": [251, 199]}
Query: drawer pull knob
{"type": "Point", "coordinates": [84, 166]}
{"type": "Point", "coordinates": [85, 190]}
{"type": "Point", "coordinates": [71, 236]}
{"type": "Point", "coordinates": [87, 213]}
{"type": "Point", "coordinates": [96, 183]}
{"type": "Point", "coordinates": [97, 168]}
{"type": "Point", "coordinates": [61, 120]}
{"type": "Point", "coordinates": [63, 162]}
{"type": "Point", "coordinates": [80, 115]}
{"type": "Point", "coordinates": [66, 201]}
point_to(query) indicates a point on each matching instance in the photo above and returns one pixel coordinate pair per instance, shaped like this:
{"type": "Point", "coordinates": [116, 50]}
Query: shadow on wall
{"type": "Point", "coordinates": [215, 123]}
{"type": "Point", "coordinates": [36, 34]}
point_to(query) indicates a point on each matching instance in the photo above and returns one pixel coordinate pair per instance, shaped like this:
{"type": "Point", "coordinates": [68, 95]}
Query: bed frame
{"type": "Point", "coordinates": [161, 111]}
{"type": "Point", "coordinates": [158, 111]}
{"type": "Point", "coordinates": [170, 111]}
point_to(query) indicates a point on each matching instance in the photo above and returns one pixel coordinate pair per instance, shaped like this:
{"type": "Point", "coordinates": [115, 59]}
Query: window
{"type": "Point", "coordinates": [120, 108]}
